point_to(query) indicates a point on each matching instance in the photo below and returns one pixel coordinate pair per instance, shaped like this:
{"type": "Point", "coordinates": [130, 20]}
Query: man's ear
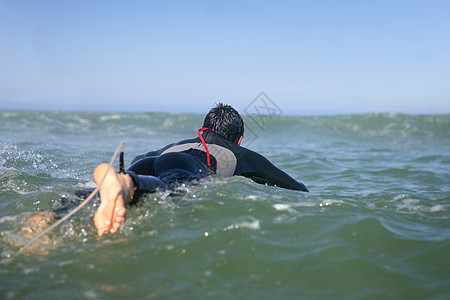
{"type": "Point", "coordinates": [238, 141]}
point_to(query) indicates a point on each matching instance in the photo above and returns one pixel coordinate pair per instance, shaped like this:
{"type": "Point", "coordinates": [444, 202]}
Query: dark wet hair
{"type": "Point", "coordinates": [225, 121]}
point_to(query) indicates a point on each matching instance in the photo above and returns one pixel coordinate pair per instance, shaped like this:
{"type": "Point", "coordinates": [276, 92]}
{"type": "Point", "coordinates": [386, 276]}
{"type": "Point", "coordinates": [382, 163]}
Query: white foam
{"type": "Point", "coordinates": [86, 185]}
{"type": "Point", "coordinates": [250, 225]}
{"type": "Point", "coordinates": [91, 295]}
{"type": "Point", "coordinates": [291, 206]}
{"type": "Point", "coordinates": [437, 208]}
{"type": "Point", "coordinates": [409, 204]}
{"type": "Point", "coordinates": [67, 262]}
{"type": "Point", "coordinates": [8, 219]}
{"type": "Point", "coordinates": [30, 271]}
{"type": "Point", "coordinates": [254, 225]}
{"type": "Point", "coordinates": [111, 117]}
{"type": "Point", "coordinates": [281, 206]}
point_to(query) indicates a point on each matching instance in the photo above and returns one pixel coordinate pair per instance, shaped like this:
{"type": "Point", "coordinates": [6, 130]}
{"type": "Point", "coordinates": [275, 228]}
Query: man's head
{"type": "Point", "coordinates": [225, 121]}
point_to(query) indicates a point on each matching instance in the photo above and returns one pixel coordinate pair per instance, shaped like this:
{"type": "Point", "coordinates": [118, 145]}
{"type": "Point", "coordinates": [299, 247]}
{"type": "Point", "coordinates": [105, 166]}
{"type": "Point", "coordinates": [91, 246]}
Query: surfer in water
{"type": "Point", "coordinates": [216, 150]}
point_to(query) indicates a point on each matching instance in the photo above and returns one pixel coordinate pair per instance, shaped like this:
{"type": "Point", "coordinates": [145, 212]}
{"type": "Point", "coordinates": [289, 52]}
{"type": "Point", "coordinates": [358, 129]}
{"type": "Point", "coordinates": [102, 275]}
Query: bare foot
{"type": "Point", "coordinates": [115, 192]}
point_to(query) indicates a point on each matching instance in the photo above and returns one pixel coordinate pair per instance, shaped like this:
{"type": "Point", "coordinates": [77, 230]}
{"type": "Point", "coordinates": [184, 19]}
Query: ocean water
{"type": "Point", "coordinates": [375, 224]}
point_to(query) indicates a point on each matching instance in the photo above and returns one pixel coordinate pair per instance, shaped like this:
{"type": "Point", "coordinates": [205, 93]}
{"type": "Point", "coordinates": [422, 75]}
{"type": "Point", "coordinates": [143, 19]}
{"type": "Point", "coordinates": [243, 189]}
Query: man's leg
{"type": "Point", "coordinates": [116, 191]}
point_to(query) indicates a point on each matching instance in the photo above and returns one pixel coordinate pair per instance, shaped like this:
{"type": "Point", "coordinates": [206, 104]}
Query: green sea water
{"type": "Point", "coordinates": [375, 224]}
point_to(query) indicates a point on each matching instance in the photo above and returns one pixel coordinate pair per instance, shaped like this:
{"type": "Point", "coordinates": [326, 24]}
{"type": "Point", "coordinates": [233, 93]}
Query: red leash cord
{"type": "Point", "coordinates": [200, 131]}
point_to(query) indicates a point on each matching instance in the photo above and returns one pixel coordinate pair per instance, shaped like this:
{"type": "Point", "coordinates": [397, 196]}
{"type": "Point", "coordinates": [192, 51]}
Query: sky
{"type": "Point", "coordinates": [308, 57]}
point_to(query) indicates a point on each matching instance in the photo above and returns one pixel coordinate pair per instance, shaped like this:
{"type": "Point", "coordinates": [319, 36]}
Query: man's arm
{"type": "Point", "coordinates": [261, 170]}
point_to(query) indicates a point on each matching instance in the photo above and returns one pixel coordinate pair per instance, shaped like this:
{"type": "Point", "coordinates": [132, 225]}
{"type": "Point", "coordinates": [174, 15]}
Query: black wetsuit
{"type": "Point", "coordinates": [188, 160]}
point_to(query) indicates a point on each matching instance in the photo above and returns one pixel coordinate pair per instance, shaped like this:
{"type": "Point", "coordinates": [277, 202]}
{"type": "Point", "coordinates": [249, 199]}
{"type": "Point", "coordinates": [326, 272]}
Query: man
{"type": "Point", "coordinates": [216, 150]}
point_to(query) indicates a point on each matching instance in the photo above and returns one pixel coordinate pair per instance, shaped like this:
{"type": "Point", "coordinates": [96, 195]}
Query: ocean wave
{"type": "Point", "coordinates": [374, 225]}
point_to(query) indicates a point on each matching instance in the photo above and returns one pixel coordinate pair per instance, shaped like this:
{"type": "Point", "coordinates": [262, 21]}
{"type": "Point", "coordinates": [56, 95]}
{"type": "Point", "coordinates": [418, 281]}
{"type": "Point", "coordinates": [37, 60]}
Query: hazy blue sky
{"type": "Point", "coordinates": [309, 57]}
